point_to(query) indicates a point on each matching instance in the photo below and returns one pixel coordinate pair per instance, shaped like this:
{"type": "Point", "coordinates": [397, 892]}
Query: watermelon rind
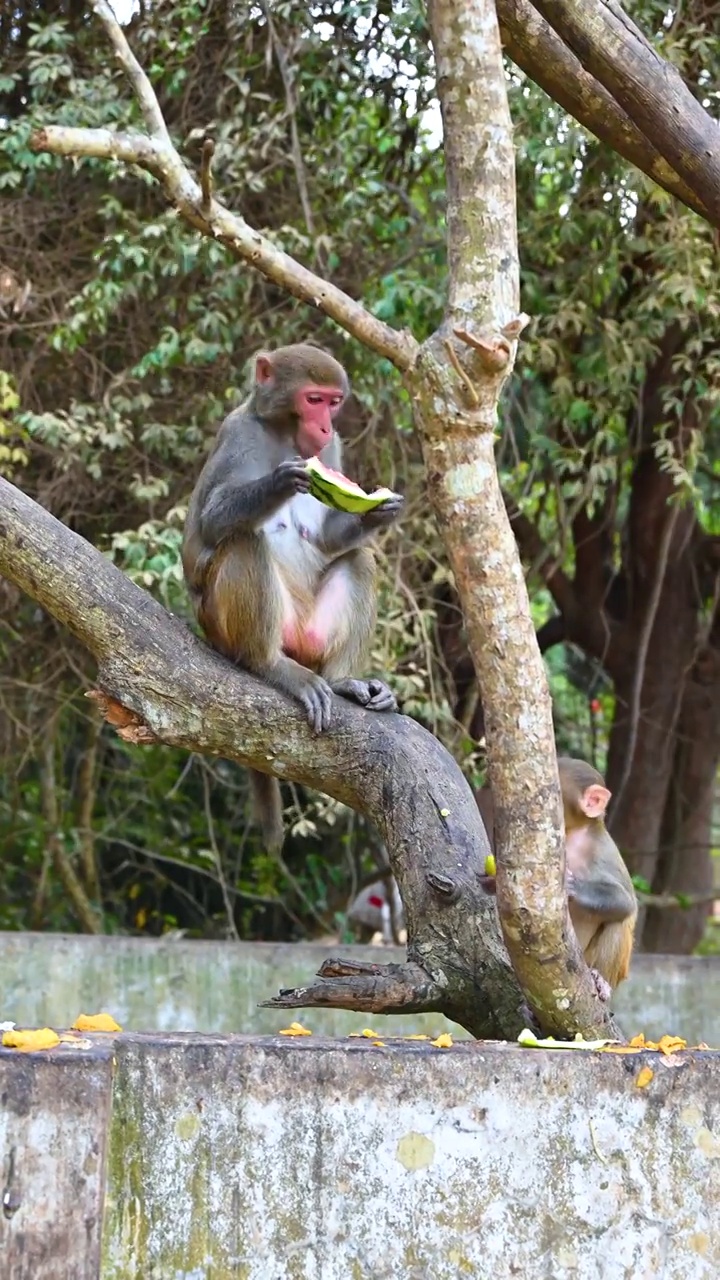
{"type": "Point", "coordinates": [330, 491]}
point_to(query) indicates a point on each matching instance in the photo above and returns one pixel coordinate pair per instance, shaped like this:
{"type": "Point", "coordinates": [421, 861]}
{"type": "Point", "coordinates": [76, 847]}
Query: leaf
{"type": "Point", "coordinates": [31, 1041]}
{"type": "Point", "coordinates": [643, 1077]}
{"type": "Point", "coordinates": [295, 1029]}
{"type": "Point", "coordinates": [95, 1022]}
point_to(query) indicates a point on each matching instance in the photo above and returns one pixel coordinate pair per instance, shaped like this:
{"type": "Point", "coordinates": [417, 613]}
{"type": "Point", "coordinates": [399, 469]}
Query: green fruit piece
{"type": "Point", "coordinates": [335, 490]}
{"type": "Point", "coordinates": [490, 865]}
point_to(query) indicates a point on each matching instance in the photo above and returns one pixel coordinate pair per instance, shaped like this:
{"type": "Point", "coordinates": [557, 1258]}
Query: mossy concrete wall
{"type": "Point", "coordinates": [229, 1158]}
{"type": "Point", "coordinates": [170, 985]}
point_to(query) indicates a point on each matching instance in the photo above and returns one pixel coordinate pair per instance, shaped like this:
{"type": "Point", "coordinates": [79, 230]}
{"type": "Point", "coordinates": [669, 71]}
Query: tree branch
{"type": "Point", "coordinates": [161, 683]}
{"type": "Point", "coordinates": [142, 88]}
{"type": "Point", "coordinates": [157, 155]}
{"type": "Point", "coordinates": [650, 90]}
{"type": "Point", "coordinates": [539, 52]}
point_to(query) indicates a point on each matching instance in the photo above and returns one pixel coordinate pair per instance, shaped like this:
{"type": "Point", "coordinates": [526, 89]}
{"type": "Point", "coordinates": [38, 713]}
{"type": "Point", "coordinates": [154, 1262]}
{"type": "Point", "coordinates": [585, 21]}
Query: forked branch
{"type": "Point", "coordinates": [155, 153]}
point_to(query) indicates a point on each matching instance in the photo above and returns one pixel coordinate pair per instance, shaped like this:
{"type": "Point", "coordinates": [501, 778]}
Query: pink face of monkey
{"type": "Point", "coordinates": [314, 404]}
{"type": "Point", "coordinates": [316, 407]}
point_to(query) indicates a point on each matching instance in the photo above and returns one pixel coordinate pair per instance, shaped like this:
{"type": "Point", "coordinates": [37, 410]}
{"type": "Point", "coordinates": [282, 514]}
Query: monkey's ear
{"type": "Point", "coordinates": [263, 369]}
{"type": "Point", "coordinates": [594, 801]}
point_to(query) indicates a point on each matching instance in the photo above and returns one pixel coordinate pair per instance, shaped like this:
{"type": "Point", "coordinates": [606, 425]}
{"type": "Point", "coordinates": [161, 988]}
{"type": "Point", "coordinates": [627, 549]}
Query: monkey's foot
{"type": "Point", "coordinates": [602, 987]}
{"type": "Point", "coordinates": [371, 694]}
{"type": "Point", "coordinates": [316, 697]}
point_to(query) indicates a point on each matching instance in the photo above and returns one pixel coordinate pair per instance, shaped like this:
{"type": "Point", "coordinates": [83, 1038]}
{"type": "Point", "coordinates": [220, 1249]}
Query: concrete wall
{"type": "Point", "coordinates": [215, 986]}
{"type": "Point", "coordinates": [226, 1158]}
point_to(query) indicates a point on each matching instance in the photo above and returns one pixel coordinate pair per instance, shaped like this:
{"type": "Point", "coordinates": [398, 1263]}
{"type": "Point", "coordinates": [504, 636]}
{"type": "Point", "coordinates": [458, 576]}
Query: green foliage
{"type": "Point", "coordinates": [134, 342]}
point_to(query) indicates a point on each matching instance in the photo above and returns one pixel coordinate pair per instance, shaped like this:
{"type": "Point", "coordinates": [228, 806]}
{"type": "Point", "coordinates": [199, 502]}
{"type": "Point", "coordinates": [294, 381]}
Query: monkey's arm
{"type": "Point", "coordinates": [341, 531]}
{"type": "Point", "coordinates": [602, 892]}
{"type": "Point", "coordinates": [240, 504]}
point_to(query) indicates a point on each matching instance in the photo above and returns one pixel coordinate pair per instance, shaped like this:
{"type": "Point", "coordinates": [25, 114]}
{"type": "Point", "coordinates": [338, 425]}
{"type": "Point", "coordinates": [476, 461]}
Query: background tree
{"type": "Point", "coordinates": [134, 331]}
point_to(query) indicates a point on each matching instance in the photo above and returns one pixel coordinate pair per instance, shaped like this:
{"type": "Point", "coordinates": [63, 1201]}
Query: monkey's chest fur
{"type": "Point", "coordinates": [311, 586]}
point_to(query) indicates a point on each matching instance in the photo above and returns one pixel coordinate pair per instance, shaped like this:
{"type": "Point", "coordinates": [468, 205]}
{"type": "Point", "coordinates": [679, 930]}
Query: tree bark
{"type": "Point", "coordinates": [685, 865]}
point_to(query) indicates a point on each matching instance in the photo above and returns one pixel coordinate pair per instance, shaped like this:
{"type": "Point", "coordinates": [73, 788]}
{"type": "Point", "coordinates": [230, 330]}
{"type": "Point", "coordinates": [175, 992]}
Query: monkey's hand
{"type": "Point", "coordinates": [290, 477]}
{"type": "Point", "coordinates": [371, 694]}
{"type": "Point", "coordinates": [384, 515]}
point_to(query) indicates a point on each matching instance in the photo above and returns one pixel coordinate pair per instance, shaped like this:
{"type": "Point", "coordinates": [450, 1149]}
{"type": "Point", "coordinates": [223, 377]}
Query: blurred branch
{"type": "Point", "coordinates": [540, 52]}
{"type": "Point", "coordinates": [648, 88]}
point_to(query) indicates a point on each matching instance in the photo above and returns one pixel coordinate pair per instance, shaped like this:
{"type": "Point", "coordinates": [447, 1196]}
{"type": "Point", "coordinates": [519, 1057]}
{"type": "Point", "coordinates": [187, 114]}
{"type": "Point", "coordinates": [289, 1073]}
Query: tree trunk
{"type": "Point", "coordinates": [685, 864]}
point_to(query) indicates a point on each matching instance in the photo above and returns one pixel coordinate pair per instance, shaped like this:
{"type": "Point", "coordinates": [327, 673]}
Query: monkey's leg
{"type": "Point", "coordinates": [246, 613]}
{"type": "Point", "coordinates": [341, 628]}
{"type": "Point", "coordinates": [608, 955]}
{"type": "Point", "coordinates": [243, 613]}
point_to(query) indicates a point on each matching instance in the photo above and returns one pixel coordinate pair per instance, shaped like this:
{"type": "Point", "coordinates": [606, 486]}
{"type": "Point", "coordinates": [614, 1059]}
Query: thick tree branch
{"type": "Point", "coordinates": [551, 633]}
{"type": "Point", "coordinates": [540, 560]}
{"type": "Point", "coordinates": [158, 156]}
{"type": "Point", "coordinates": [366, 988]}
{"type": "Point", "coordinates": [539, 52]}
{"type": "Point", "coordinates": [650, 90]}
{"type": "Point", "coordinates": [178, 691]}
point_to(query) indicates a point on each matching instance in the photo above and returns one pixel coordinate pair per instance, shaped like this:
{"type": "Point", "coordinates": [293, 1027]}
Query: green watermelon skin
{"type": "Point", "coordinates": [342, 494]}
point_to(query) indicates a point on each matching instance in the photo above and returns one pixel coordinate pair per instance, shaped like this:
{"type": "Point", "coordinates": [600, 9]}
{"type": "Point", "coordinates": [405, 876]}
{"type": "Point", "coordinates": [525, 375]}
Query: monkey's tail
{"type": "Point", "coordinates": [267, 809]}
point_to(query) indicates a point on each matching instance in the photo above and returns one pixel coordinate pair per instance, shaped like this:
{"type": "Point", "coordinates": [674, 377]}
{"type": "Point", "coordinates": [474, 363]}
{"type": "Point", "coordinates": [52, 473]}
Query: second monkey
{"type": "Point", "coordinates": [281, 584]}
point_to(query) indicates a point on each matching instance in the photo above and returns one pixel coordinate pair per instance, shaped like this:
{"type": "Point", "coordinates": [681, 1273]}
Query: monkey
{"type": "Point", "coordinates": [373, 909]}
{"type": "Point", "coordinates": [281, 584]}
{"type": "Point", "coordinates": [601, 898]}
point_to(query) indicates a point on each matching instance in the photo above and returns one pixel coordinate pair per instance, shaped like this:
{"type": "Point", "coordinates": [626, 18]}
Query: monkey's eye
{"type": "Point", "coordinates": [336, 401]}
{"type": "Point", "coordinates": [314, 397]}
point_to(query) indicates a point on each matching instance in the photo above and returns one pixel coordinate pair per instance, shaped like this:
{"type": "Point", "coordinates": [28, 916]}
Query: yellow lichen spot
{"type": "Point", "coordinates": [706, 1141]}
{"type": "Point", "coordinates": [691, 1115]}
{"type": "Point", "coordinates": [367, 1033]}
{"type": "Point", "coordinates": [187, 1126]}
{"type": "Point", "coordinates": [295, 1029]}
{"type": "Point", "coordinates": [415, 1151]}
{"type": "Point", "coordinates": [443, 1042]}
{"type": "Point", "coordinates": [637, 1042]}
{"type": "Point", "coordinates": [490, 865]}
{"type": "Point", "coordinates": [416, 1037]}
{"type": "Point", "coordinates": [30, 1041]}
{"type": "Point", "coordinates": [95, 1022]}
{"type": "Point", "coordinates": [444, 813]}
{"type": "Point", "coordinates": [378, 1044]}
{"type": "Point", "coordinates": [644, 1076]}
